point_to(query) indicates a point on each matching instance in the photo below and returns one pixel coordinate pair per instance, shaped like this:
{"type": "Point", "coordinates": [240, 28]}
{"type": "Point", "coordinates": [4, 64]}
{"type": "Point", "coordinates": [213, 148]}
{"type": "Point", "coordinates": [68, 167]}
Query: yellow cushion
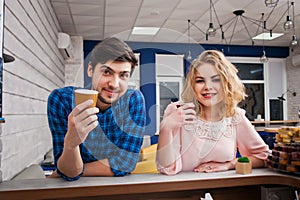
{"type": "Point", "coordinates": [149, 153]}
{"type": "Point", "coordinates": [145, 167]}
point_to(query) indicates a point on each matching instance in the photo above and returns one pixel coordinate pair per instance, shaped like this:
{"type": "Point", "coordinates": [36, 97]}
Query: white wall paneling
{"type": "Point", "coordinates": [30, 35]}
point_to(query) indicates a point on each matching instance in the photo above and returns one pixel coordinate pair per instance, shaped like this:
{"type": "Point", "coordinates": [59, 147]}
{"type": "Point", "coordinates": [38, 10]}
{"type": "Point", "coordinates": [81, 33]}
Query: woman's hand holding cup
{"type": "Point", "coordinates": [180, 114]}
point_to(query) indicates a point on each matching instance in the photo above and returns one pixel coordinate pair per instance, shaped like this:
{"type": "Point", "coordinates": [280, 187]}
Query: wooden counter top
{"type": "Point", "coordinates": [55, 188]}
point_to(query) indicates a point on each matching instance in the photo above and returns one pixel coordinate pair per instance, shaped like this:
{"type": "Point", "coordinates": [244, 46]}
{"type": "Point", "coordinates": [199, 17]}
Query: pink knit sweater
{"type": "Point", "coordinates": [214, 141]}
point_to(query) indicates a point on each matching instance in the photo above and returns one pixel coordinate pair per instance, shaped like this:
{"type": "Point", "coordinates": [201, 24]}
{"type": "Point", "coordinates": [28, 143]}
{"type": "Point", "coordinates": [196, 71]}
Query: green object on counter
{"type": "Point", "coordinates": [243, 160]}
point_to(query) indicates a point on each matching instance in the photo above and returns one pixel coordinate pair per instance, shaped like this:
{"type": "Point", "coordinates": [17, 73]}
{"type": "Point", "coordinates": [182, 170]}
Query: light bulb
{"type": "Point", "coordinates": [189, 55]}
{"type": "Point", "coordinates": [288, 24]}
{"type": "Point", "coordinates": [211, 31]}
{"type": "Point", "coordinates": [263, 58]}
{"type": "Point", "coordinates": [294, 42]}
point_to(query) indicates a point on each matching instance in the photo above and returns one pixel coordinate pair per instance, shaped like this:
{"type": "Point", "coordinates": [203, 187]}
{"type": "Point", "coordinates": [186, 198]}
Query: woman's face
{"type": "Point", "coordinates": [208, 87]}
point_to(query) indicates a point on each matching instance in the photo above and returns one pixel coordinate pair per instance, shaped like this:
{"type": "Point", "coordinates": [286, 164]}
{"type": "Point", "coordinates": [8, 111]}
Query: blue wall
{"type": "Point", "coordinates": [147, 64]}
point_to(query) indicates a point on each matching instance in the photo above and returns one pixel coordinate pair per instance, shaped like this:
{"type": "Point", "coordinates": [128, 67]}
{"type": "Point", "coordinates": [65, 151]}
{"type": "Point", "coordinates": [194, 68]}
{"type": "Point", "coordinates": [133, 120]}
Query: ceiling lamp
{"type": "Point", "coordinates": [271, 3]}
{"type": "Point", "coordinates": [239, 17]}
{"type": "Point", "coordinates": [289, 23]}
{"type": "Point", "coordinates": [294, 42]}
{"type": "Point", "coordinates": [211, 31]}
{"type": "Point", "coordinates": [189, 54]}
{"type": "Point", "coordinates": [263, 58]}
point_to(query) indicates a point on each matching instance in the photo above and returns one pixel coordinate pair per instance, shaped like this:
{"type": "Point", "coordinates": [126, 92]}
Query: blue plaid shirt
{"type": "Point", "coordinates": [118, 137]}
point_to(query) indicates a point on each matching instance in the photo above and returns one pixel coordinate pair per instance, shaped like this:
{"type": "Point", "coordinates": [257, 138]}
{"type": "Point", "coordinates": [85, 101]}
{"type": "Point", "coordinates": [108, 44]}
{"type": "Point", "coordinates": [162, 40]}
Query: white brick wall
{"type": "Point", "coordinates": [30, 35]}
{"type": "Point", "coordinates": [293, 83]}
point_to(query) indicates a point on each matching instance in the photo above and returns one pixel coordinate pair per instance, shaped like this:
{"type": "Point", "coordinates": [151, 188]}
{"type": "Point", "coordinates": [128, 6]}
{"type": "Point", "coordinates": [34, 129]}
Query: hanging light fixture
{"type": "Point", "coordinates": [263, 58]}
{"type": "Point", "coordinates": [289, 23]}
{"type": "Point", "coordinates": [271, 3]}
{"type": "Point", "coordinates": [211, 31]}
{"type": "Point", "coordinates": [294, 42]}
{"type": "Point", "coordinates": [189, 54]}
{"type": "Point", "coordinates": [239, 17]}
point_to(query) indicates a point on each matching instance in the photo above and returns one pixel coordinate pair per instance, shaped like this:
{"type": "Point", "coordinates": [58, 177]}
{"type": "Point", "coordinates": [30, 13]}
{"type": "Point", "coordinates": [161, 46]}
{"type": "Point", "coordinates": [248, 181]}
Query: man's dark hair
{"type": "Point", "coordinates": [112, 49]}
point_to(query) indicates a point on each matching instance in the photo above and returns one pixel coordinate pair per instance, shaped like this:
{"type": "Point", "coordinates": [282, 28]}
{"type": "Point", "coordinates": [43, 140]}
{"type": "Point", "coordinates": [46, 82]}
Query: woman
{"type": "Point", "coordinates": [203, 132]}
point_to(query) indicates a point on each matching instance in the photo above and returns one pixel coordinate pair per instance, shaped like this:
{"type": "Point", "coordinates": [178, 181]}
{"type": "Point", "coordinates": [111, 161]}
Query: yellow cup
{"type": "Point", "coordinates": [82, 95]}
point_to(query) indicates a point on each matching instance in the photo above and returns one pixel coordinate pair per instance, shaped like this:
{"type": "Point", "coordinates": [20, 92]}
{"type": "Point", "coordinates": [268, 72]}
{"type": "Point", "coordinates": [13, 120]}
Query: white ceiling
{"type": "Point", "coordinates": [98, 19]}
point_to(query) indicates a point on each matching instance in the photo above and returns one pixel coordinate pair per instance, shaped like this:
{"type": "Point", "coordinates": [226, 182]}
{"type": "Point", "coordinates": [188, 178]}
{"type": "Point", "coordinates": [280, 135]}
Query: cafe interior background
{"type": "Point", "coordinates": [46, 44]}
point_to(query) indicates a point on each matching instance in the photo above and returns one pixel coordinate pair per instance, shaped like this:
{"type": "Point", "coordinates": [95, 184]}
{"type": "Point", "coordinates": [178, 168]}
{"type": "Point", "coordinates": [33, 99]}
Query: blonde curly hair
{"type": "Point", "coordinates": [233, 88]}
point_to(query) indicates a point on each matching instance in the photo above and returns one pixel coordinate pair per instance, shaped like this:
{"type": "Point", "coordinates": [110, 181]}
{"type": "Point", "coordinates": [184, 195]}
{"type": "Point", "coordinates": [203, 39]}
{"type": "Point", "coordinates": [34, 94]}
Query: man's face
{"type": "Point", "coordinates": [110, 80]}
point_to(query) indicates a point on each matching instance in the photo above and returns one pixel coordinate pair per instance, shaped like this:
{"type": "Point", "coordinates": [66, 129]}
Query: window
{"type": "Point", "coordinates": [252, 75]}
{"type": "Point", "coordinates": [264, 83]}
{"type": "Point", "coordinates": [169, 90]}
{"type": "Point", "coordinates": [169, 82]}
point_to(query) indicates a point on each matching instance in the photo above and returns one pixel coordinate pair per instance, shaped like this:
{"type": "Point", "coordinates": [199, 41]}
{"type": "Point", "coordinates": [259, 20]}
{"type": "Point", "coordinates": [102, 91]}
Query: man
{"type": "Point", "coordinates": [104, 140]}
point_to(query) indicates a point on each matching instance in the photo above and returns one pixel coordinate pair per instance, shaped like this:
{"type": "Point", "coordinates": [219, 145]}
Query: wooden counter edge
{"type": "Point", "coordinates": [139, 188]}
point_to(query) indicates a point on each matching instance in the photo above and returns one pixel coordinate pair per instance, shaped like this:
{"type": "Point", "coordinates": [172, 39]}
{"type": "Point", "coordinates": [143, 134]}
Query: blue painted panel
{"type": "Point", "coordinates": [148, 87]}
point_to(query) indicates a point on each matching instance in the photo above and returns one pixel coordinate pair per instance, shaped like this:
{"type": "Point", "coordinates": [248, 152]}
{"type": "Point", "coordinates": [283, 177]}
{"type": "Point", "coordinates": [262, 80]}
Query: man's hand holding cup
{"type": "Point", "coordinates": [83, 119]}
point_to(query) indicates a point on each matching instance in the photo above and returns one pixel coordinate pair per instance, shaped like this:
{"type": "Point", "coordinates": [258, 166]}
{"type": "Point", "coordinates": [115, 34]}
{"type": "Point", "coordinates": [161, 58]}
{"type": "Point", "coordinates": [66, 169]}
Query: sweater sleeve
{"type": "Point", "coordinates": [249, 141]}
{"type": "Point", "coordinates": [175, 159]}
{"type": "Point", "coordinates": [171, 151]}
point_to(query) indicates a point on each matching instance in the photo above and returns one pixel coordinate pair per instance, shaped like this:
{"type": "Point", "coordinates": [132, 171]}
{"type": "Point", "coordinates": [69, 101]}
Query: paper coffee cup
{"type": "Point", "coordinates": [82, 95]}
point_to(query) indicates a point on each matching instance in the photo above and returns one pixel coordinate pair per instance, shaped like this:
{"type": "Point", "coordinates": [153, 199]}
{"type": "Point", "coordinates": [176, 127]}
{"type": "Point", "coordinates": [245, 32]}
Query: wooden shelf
{"type": "Point", "coordinates": [279, 122]}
